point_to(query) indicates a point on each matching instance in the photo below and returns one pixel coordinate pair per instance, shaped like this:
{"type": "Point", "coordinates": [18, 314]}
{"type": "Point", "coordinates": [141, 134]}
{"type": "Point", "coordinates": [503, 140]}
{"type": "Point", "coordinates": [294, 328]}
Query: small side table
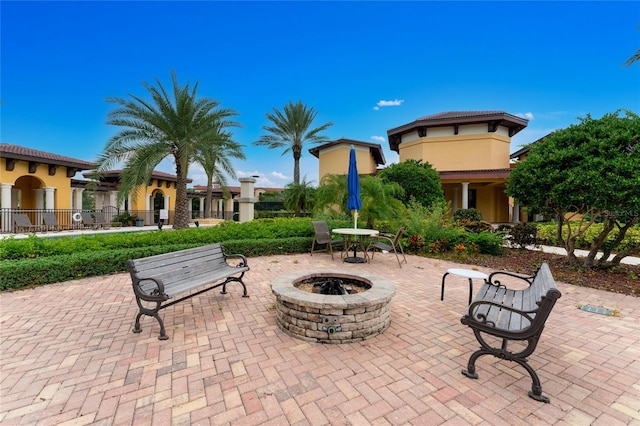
{"type": "Point", "coordinates": [465, 273]}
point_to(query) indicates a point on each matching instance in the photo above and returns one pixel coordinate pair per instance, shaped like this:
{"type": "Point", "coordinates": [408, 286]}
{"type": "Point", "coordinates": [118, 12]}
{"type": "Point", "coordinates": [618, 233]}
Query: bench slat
{"type": "Point", "coordinates": [150, 266]}
{"type": "Point", "coordinates": [506, 315]}
{"type": "Point", "coordinates": [193, 281]}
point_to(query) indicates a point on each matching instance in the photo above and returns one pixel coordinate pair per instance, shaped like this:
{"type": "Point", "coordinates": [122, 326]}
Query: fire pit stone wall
{"type": "Point", "coordinates": [333, 318]}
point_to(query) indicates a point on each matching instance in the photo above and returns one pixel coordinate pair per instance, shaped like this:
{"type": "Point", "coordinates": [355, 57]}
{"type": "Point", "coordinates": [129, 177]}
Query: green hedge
{"type": "Point", "coordinates": [30, 272]}
{"type": "Point", "coordinates": [68, 243]}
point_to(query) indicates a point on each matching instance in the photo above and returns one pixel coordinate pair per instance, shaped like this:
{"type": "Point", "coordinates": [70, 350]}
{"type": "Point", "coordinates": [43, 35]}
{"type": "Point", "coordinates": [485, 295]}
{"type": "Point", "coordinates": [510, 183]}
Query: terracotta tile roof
{"type": "Point", "coordinates": [457, 115]}
{"type": "Point", "coordinates": [27, 154]}
{"type": "Point", "coordinates": [374, 148]}
{"type": "Point", "coordinates": [115, 174]}
{"type": "Point", "coordinates": [453, 118]}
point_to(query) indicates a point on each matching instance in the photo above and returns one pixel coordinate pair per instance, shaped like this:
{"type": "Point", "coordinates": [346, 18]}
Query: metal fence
{"type": "Point", "coordinates": [72, 219]}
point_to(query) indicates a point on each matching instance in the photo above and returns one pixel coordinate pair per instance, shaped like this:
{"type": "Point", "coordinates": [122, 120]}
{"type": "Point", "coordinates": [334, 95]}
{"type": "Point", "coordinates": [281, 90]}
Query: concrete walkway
{"type": "Point", "coordinates": [68, 357]}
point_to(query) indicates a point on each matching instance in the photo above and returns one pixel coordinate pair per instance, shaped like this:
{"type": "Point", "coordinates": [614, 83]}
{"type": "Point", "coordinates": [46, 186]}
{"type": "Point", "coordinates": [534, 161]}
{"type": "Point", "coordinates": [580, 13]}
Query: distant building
{"type": "Point", "coordinates": [35, 181]}
{"type": "Point", "coordinates": [334, 157]}
{"type": "Point", "coordinates": [32, 179]}
{"type": "Point", "coordinates": [470, 151]}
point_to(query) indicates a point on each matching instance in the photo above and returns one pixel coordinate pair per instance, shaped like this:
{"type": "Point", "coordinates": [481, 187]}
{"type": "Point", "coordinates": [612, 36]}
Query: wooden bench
{"type": "Point", "coordinates": [512, 315]}
{"type": "Point", "coordinates": [157, 279]}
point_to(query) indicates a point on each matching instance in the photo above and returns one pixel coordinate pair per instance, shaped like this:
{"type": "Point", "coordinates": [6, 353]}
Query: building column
{"type": "Point", "coordinates": [201, 210]}
{"type": "Point", "coordinates": [113, 198]}
{"type": "Point", "coordinates": [5, 204]}
{"type": "Point", "coordinates": [516, 214]}
{"type": "Point", "coordinates": [465, 195]}
{"type": "Point", "coordinates": [49, 193]}
{"type": "Point", "coordinates": [147, 208]}
{"type": "Point", "coordinates": [78, 198]}
{"type": "Point", "coordinates": [5, 195]}
{"type": "Point", "coordinates": [39, 198]}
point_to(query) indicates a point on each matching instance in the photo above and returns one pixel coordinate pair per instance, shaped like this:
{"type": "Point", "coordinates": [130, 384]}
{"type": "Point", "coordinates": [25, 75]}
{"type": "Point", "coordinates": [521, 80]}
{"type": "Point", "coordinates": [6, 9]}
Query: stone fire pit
{"type": "Point", "coordinates": [333, 318]}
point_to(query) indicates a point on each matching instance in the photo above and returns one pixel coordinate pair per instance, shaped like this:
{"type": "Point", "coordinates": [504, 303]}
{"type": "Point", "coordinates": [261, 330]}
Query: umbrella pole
{"type": "Point", "coordinates": [355, 219]}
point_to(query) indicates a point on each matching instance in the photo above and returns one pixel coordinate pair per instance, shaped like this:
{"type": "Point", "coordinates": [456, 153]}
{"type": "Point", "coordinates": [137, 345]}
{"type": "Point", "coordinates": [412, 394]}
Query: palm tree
{"type": "Point", "coordinates": [214, 157]}
{"type": "Point", "coordinates": [167, 126]}
{"type": "Point", "coordinates": [380, 199]}
{"type": "Point", "coordinates": [634, 58]}
{"type": "Point", "coordinates": [290, 129]}
{"type": "Point", "coordinates": [299, 196]}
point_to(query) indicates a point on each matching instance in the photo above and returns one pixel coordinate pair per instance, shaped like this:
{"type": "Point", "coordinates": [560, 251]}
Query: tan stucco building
{"type": "Point", "coordinates": [334, 157]}
{"type": "Point", "coordinates": [471, 152]}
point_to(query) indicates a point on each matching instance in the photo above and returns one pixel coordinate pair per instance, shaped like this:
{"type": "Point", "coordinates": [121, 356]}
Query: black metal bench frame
{"type": "Point", "coordinates": [156, 279]}
{"type": "Point", "coordinates": [512, 315]}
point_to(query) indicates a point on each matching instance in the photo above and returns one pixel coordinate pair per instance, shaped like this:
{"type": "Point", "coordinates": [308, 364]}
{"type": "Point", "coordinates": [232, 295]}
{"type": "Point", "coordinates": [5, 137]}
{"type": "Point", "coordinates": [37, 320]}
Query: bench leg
{"type": "Point", "coordinates": [150, 313]}
{"type": "Point", "coordinates": [503, 353]}
{"type": "Point", "coordinates": [238, 279]}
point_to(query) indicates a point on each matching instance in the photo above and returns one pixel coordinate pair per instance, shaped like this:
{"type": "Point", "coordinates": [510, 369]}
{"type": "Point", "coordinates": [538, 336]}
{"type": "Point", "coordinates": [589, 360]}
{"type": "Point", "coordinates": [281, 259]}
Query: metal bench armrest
{"type": "Point", "coordinates": [490, 279]}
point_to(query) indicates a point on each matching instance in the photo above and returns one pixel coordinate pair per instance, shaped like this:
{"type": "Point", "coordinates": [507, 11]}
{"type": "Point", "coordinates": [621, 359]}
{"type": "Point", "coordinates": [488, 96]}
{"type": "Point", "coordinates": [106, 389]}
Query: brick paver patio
{"type": "Point", "coordinates": [69, 358]}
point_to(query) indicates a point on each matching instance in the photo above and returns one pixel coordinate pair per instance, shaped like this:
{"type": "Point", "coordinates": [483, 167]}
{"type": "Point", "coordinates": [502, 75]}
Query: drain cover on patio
{"type": "Point", "coordinates": [598, 310]}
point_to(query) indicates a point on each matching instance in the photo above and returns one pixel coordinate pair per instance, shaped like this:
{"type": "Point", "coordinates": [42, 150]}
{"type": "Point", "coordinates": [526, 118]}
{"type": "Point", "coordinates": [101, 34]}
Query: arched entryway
{"type": "Point", "coordinates": [28, 193]}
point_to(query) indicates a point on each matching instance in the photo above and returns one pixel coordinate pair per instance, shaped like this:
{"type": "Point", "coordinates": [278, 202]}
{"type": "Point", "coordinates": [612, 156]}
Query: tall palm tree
{"type": "Point", "coordinates": [290, 129]}
{"type": "Point", "coordinates": [167, 126]}
{"type": "Point", "coordinates": [214, 155]}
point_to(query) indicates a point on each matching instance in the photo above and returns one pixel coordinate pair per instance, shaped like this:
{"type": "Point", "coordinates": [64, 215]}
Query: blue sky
{"type": "Point", "coordinates": [365, 66]}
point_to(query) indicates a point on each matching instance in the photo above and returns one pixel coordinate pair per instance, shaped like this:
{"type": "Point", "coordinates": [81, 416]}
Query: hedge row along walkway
{"type": "Point", "coordinates": [68, 357]}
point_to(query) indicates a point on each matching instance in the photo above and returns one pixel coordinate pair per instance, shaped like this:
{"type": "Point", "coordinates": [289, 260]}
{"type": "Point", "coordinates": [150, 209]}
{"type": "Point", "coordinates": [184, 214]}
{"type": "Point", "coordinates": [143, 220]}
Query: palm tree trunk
{"type": "Point", "coordinates": [209, 199]}
{"type": "Point", "coordinates": [181, 219]}
{"type": "Point", "coordinates": [296, 167]}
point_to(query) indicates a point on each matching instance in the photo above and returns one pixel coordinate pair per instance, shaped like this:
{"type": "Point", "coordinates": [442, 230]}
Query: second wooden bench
{"type": "Point", "coordinates": [512, 315]}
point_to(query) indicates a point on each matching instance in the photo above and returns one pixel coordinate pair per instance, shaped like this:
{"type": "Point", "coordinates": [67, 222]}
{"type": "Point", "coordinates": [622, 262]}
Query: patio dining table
{"type": "Point", "coordinates": [354, 237]}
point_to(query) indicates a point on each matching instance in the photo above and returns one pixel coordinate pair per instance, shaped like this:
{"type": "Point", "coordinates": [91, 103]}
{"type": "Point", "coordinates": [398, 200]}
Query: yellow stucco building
{"type": "Point", "coordinates": [469, 149]}
{"type": "Point", "coordinates": [471, 152]}
{"type": "Point", "coordinates": [33, 181]}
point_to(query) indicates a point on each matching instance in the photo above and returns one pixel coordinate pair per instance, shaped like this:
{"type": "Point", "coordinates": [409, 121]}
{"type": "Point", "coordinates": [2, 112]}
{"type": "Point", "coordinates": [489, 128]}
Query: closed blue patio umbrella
{"type": "Point", "coordinates": [353, 187]}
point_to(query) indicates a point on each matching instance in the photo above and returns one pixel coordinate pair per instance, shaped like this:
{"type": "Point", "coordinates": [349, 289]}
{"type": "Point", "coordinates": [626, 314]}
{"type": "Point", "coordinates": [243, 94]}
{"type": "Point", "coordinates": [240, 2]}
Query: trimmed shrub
{"type": "Point", "coordinates": [473, 215]}
{"type": "Point", "coordinates": [523, 235]}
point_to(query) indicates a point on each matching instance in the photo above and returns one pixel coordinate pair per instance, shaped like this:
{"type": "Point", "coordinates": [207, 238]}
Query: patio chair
{"type": "Point", "coordinates": [51, 222]}
{"type": "Point", "coordinates": [101, 220]}
{"type": "Point", "coordinates": [87, 221]}
{"type": "Point", "coordinates": [323, 237]}
{"type": "Point", "coordinates": [388, 243]}
{"type": "Point", "coordinates": [23, 224]}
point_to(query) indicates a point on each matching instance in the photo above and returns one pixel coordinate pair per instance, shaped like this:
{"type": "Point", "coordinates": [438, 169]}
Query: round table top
{"type": "Point", "coordinates": [467, 273]}
{"type": "Point", "coordinates": [355, 231]}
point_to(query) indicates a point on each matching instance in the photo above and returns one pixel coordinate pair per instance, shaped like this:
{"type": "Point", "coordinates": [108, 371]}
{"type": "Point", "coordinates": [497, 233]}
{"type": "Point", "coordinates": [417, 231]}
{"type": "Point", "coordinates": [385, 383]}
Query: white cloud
{"type": "Point", "coordinates": [280, 176]}
{"type": "Point", "coordinates": [379, 138]}
{"type": "Point", "coordinates": [527, 115]}
{"type": "Point", "coordinates": [384, 103]}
